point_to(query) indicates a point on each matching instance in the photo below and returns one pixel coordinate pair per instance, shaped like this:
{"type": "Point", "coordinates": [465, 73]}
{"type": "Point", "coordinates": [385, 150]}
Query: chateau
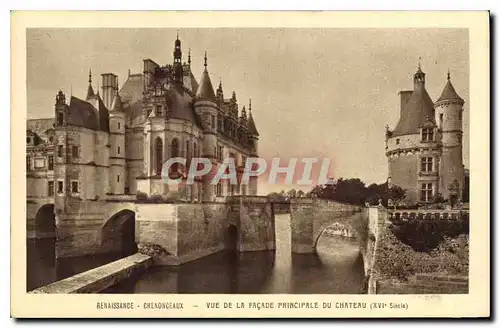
{"type": "Point", "coordinates": [425, 148]}
{"type": "Point", "coordinates": [115, 141]}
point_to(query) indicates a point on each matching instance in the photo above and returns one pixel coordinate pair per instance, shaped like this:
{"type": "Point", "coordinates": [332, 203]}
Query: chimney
{"type": "Point", "coordinates": [109, 88]}
{"type": "Point", "coordinates": [404, 97]}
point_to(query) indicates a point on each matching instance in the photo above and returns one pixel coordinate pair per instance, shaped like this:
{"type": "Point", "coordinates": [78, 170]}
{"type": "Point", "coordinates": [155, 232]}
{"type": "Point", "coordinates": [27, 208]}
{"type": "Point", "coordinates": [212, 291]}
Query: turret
{"type": "Point", "coordinates": [206, 107]}
{"type": "Point", "coordinates": [448, 111]}
{"type": "Point", "coordinates": [117, 146]}
{"type": "Point", "coordinates": [178, 75]}
{"type": "Point", "coordinates": [60, 109]}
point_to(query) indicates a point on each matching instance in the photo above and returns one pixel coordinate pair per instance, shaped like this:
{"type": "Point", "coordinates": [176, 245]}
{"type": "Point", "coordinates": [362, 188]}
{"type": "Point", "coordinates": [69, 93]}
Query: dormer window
{"type": "Point", "coordinates": [427, 134]}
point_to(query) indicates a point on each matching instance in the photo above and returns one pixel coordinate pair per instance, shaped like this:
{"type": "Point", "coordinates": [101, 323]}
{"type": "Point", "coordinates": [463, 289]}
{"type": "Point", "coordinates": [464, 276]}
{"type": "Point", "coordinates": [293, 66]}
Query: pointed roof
{"type": "Point", "coordinates": [205, 89]}
{"type": "Point", "coordinates": [418, 109]}
{"type": "Point", "coordinates": [117, 102]}
{"type": "Point", "coordinates": [90, 90]}
{"type": "Point", "coordinates": [251, 124]}
{"type": "Point", "coordinates": [449, 92]}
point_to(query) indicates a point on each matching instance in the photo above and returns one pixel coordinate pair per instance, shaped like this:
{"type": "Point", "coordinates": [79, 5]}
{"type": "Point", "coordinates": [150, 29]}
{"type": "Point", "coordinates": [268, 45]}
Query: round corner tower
{"type": "Point", "coordinates": [449, 112]}
{"type": "Point", "coordinates": [206, 107]}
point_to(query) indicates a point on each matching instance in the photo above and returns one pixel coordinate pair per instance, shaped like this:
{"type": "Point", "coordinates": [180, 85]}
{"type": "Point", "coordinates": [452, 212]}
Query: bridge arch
{"type": "Point", "coordinates": [118, 233]}
{"type": "Point", "coordinates": [344, 229]}
{"type": "Point", "coordinates": [45, 221]}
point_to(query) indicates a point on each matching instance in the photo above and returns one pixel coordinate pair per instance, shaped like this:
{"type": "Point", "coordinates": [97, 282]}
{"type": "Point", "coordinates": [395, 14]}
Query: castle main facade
{"type": "Point", "coordinates": [424, 150]}
{"type": "Point", "coordinates": [115, 142]}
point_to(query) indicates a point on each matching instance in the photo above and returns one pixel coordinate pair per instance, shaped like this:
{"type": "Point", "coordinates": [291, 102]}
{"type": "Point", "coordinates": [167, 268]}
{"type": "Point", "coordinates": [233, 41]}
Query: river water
{"type": "Point", "coordinates": [337, 268]}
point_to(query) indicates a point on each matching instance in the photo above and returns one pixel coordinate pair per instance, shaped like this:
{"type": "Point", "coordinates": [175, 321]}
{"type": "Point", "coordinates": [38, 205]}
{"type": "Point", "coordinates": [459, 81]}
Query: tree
{"type": "Point", "coordinates": [300, 193]}
{"type": "Point", "coordinates": [292, 193]}
{"type": "Point", "coordinates": [396, 195]}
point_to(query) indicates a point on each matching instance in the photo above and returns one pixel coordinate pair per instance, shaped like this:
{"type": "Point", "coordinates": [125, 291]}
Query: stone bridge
{"type": "Point", "coordinates": [189, 231]}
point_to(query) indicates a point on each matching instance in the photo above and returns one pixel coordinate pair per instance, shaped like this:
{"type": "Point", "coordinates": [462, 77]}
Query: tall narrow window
{"type": "Point", "coordinates": [60, 118]}
{"type": "Point", "coordinates": [174, 151]}
{"type": "Point", "coordinates": [213, 121]}
{"type": "Point", "coordinates": [60, 151]}
{"type": "Point", "coordinates": [50, 188]}
{"type": "Point", "coordinates": [118, 178]}
{"type": "Point", "coordinates": [158, 155]}
{"type": "Point", "coordinates": [28, 163]}
{"type": "Point", "coordinates": [426, 164]}
{"type": "Point", "coordinates": [441, 116]}
{"type": "Point", "coordinates": [74, 187]}
{"type": "Point", "coordinates": [118, 125]}
{"type": "Point", "coordinates": [426, 192]}
{"type": "Point", "coordinates": [74, 151]}
{"type": "Point", "coordinates": [188, 151]}
{"type": "Point", "coordinates": [51, 162]}
{"type": "Point", "coordinates": [159, 111]}
{"type": "Point", "coordinates": [195, 154]}
{"type": "Point", "coordinates": [427, 134]}
{"type": "Point", "coordinates": [218, 190]}
{"type": "Point", "coordinates": [60, 187]}
{"type": "Point", "coordinates": [118, 150]}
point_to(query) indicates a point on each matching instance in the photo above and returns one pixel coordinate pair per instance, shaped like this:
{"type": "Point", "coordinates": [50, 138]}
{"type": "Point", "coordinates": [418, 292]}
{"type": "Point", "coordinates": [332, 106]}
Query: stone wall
{"type": "Point", "coordinates": [310, 217]}
{"type": "Point", "coordinates": [254, 219]}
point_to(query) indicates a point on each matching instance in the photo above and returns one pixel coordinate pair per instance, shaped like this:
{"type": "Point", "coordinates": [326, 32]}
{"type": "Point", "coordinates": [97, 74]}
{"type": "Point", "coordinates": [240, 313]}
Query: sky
{"type": "Point", "coordinates": [325, 93]}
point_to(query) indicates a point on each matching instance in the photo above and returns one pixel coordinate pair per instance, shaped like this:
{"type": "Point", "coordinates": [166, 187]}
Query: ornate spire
{"type": "Point", "coordinates": [90, 90]}
{"type": "Point", "coordinates": [205, 89]}
{"type": "Point", "coordinates": [189, 57]}
{"type": "Point", "coordinates": [251, 124]}
{"type": "Point", "coordinates": [220, 93]}
{"type": "Point", "coordinates": [448, 75]}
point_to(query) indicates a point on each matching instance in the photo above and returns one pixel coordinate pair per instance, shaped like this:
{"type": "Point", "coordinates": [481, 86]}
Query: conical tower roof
{"type": "Point", "coordinates": [117, 102]}
{"type": "Point", "coordinates": [205, 89]}
{"type": "Point", "coordinates": [449, 92]}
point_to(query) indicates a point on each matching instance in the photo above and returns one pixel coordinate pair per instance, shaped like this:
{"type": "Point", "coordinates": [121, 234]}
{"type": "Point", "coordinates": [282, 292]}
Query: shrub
{"type": "Point", "coordinates": [152, 250]}
{"type": "Point", "coordinates": [141, 196]}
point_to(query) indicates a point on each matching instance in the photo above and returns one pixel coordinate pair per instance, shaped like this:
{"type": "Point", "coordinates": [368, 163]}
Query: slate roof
{"type": "Point", "coordinates": [205, 90]}
{"type": "Point", "coordinates": [449, 93]}
{"type": "Point", "coordinates": [415, 113]}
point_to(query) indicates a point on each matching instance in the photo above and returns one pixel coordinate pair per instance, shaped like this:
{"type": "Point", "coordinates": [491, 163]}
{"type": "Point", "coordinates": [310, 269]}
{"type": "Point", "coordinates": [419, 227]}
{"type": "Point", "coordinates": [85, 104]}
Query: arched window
{"type": "Point", "coordinates": [158, 155]}
{"type": "Point", "coordinates": [174, 151]}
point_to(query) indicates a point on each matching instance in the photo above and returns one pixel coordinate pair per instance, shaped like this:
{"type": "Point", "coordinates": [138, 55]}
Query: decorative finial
{"type": "Point", "coordinates": [250, 104]}
{"type": "Point", "coordinates": [177, 34]}
{"type": "Point", "coordinates": [419, 59]}
{"type": "Point", "coordinates": [448, 75]}
{"type": "Point", "coordinates": [205, 59]}
{"type": "Point", "coordinates": [129, 72]}
{"type": "Point", "coordinates": [90, 75]}
{"type": "Point", "coordinates": [189, 57]}
{"type": "Point", "coordinates": [220, 82]}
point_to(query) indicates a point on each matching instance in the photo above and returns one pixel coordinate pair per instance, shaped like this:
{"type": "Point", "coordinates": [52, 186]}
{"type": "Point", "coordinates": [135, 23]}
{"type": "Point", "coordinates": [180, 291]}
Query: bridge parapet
{"type": "Point", "coordinates": [427, 214]}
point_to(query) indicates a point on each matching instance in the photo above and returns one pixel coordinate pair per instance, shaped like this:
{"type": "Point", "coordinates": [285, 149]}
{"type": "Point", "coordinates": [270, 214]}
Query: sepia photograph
{"type": "Point", "coordinates": [250, 161]}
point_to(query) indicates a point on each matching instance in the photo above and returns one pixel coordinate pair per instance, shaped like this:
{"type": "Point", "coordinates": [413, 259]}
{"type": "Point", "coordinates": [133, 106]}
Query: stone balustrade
{"type": "Point", "coordinates": [427, 214]}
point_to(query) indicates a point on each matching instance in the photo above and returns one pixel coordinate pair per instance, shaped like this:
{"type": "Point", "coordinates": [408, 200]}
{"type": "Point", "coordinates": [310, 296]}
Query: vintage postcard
{"type": "Point", "coordinates": [250, 164]}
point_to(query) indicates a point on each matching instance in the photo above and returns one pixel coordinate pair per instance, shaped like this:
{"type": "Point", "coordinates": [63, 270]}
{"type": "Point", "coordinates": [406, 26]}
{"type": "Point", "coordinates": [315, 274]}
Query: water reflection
{"type": "Point", "coordinates": [43, 268]}
{"type": "Point", "coordinates": [337, 268]}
